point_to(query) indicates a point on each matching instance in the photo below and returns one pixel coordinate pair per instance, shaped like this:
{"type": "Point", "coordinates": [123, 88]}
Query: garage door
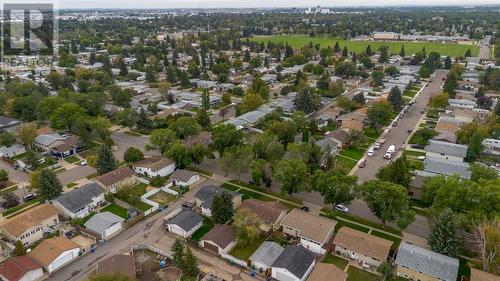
{"type": "Point", "coordinates": [62, 260]}
{"type": "Point", "coordinates": [211, 247]}
{"type": "Point", "coordinates": [112, 230]}
{"type": "Point", "coordinates": [283, 277]}
{"type": "Point", "coordinates": [176, 230]}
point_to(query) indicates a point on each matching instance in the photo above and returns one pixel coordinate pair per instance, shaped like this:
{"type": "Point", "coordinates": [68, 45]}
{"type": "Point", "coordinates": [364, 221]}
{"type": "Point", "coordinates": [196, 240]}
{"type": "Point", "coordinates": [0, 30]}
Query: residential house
{"type": "Point", "coordinates": [154, 166]}
{"type": "Point", "coordinates": [446, 137]}
{"type": "Point", "coordinates": [12, 151]}
{"type": "Point", "coordinates": [79, 202]}
{"type": "Point", "coordinates": [351, 125]}
{"type": "Point", "coordinates": [9, 124]}
{"type": "Point", "coordinates": [294, 264]}
{"type": "Point", "coordinates": [446, 150]}
{"type": "Point", "coordinates": [465, 115]}
{"type": "Point", "coordinates": [59, 145]}
{"type": "Point", "coordinates": [329, 147]}
{"type": "Point", "coordinates": [184, 223]}
{"type": "Point", "coordinates": [478, 275]}
{"type": "Point", "coordinates": [21, 268]}
{"type": "Point", "coordinates": [220, 239]}
{"type": "Point", "coordinates": [447, 124]}
{"type": "Point", "coordinates": [117, 264]}
{"type": "Point", "coordinates": [270, 213]}
{"type": "Point", "coordinates": [417, 263]}
{"type": "Point", "coordinates": [183, 177]}
{"type": "Point", "coordinates": [313, 231]}
{"type": "Point", "coordinates": [462, 103]}
{"type": "Point", "coordinates": [367, 250]}
{"type": "Point", "coordinates": [54, 253]}
{"type": "Point", "coordinates": [30, 225]}
{"type": "Point", "coordinates": [105, 225]}
{"type": "Point", "coordinates": [264, 257]}
{"type": "Point", "coordinates": [114, 180]}
{"type": "Point", "coordinates": [205, 197]}
{"type": "Point", "coordinates": [492, 147]}
{"type": "Point", "coordinates": [340, 136]}
{"type": "Point", "coordinates": [449, 167]}
{"type": "Point", "coordinates": [327, 272]}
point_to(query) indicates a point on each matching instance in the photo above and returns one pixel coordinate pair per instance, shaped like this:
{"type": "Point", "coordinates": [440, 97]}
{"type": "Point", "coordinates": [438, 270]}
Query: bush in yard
{"type": "Point", "coordinates": [4, 176]}
{"type": "Point", "coordinates": [157, 181]}
{"type": "Point", "coordinates": [19, 249]}
{"type": "Point", "coordinates": [422, 136]}
{"type": "Point", "coordinates": [10, 200]}
{"type": "Point", "coordinates": [132, 155]}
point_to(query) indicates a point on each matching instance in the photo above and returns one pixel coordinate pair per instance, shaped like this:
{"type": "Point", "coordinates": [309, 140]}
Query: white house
{"type": "Point", "coordinates": [183, 222]}
{"type": "Point", "coordinates": [294, 264]}
{"type": "Point", "coordinates": [21, 268]}
{"type": "Point", "coordinates": [105, 224]}
{"type": "Point", "coordinates": [79, 202]}
{"type": "Point", "coordinates": [184, 177]}
{"type": "Point", "coordinates": [154, 166]}
{"type": "Point", "coordinates": [54, 253]}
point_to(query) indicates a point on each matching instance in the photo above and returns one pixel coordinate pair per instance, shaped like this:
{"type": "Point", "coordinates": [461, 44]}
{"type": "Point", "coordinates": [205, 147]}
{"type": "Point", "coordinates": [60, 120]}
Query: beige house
{"type": "Point", "coordinates": [114, 180]}
{"type": "Point", "coordinates": [29, 226]}
{"type": "Point", "coordinates": [367, 250]}
{"type": "Point", "coordinates": [314, 231]}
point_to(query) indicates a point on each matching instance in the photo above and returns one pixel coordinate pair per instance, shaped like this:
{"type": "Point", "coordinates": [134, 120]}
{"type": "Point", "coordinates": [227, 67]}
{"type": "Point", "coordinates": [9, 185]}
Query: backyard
{"type": "Point", "coordinates": [115, 209]}
{"type": "Point", "coordinates": [243, 252]}
{"type": "Point", "coordinates": [162, 198]}
{"type": "Point", "coordinates": [338, 261]}
{"type": "Point", "coordinates": [356, 274]}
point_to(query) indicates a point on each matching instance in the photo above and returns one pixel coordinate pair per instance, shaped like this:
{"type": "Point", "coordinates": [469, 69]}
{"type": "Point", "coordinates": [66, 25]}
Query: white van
{"type": "Point", "coordinates": [390, 151]}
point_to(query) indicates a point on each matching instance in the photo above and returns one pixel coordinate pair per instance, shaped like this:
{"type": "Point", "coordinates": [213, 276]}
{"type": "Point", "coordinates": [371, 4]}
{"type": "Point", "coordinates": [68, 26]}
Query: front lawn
{"type": "Point", "coordinates": [345, 164]}
{"type": "Point", "coordinates": [355, 153]}
{"type": "Point", "coordinates": [257, 188]}
{"type": "Point", "coordinates": [23, 205]}
{"type": "Point", "coordinates": [72, 159]}
{"type": "Point", "coordinates": [350, 225]}
{"type": "Point", "coordinates": [396, 241]}
{"type": "Point", "coordinates": [115, 209]}
{"type": "Point", "coordinates": [338, 261]}
{"type": "Point", "coordinates": [333, 214]}
{"type": "Point", "coordinates": [244, 252]}
{"type": "Point", "coordinates": [415, 165]}
{"type": "Point", "coordinates": [207, 225]}
{"type": "Point", "coordinates": [356, 274]}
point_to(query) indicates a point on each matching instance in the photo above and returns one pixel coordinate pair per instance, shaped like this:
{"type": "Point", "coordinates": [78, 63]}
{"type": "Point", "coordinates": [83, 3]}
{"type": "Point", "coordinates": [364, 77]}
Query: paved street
{"type": "Point", "coordinates": [124, 141]}
{"type": "Point", "coordinates": [484, 48]}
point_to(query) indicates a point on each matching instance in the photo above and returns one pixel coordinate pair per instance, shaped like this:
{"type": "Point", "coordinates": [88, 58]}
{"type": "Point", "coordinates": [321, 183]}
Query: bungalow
{"type": "Point", "coordinates": [447, 124]}
{"type": "Point", "coordinates": [462, 103]}
{"type": "Point", "coordinates": [8, 124]}
{"type": "Point", "coordinates": [314, 231]}
{"type": "Point", "coordinates": [184, 177]}
{"type": "Point", "coordinates": [21, 268]}
{"type": "Point", "coordinates": [367, 250]}
{"type": "Point", "coordinates": [327, 272]}
{"type": "Point", "coordinates": [79, 202]}
{"type": "Point", "coordinates": [154, 166]}
{"type": "Point", "coordinates": [117, 264]}
{"type": "Point", "coordinates": [105, 225]}
{"type": "Point", "coordinates": [54, 253]}
{"type": "Point", "coordinates": [329, 147]}
{"type": "Point", "coordinates": [269, 213]}
{"type": "Point", "coordinates": [205, 197]}
{"type": "Point", "coordinates": [449, 167]}
{"type": "Point", "coordinates": [351, 125]}
{"type": "Point", "coordinates": [294, 264]}
{"type": "Point", "coordinates": [478, 275]}
{"type": "Point", "coordinates": [29, 226]}
{"type": "Point", "coordinates": [220, 239]}
{"type": "Point", "coordinates": [264, 257]}
{"type": "Point", "coordinates": [184, 223]}
{"type": "Point", "coordinates": [12, 151]}
{"type": "Point", "coordinates": [417, 263]}
{"type": "Point", "coordinates": [116, 179]}
{"type": "Point", "coordinates": [446, 150]}
{"type": "Point", "coordinates": [59, 145]}
{"type": "Point", "coordinates": [340, 136]}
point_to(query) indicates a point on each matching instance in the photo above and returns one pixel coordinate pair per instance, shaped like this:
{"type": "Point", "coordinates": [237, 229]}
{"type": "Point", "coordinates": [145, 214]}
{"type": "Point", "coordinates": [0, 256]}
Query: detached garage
{"type": "Point", "coordinates": [54, 253]}
{"type": "Point", "coordinates": [184, 223]}
{"type": "Point", "coordinates": [105, 224]}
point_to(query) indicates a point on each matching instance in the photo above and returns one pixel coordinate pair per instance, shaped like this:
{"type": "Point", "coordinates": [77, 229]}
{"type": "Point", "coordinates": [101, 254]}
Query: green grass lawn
{"type": "Point", "coordinates": [72, 159]}
{"type": "Point", "coordinates": [138, 190]}
{"type": "Point", "coordinates": [350, 225]}
{"type": "Point", "coordinates": [410, 94]}
{"type": "Point", "coordinates": [396, 241]}
{"type": "Point", "coordinates": [275, 194]}
{"type": "Point", "coordinates": [244, 252]}
{"type": "Point", "coordinates": [355, 153]}
{"type": "Point", "coordinates": [201, 171]}
{"type": "Point", "coordinates": [230, 187]}
{"type": "Point", "coordinates": [71, 184]}
{"type": "Point", "coordinates": [23, 205]}
{"type": "Point", "coordinates": [371, 133]}
{"type": "Point", "coordinates": [356, 274]}
{"type": "Point", "coordinates": [297, 42]}
{"type": "Point", "coordinates": [338, 261]}
{"type": "Point", "coordinates": [333, 214]}
{"type": "Point", "coordinates": [207, 225]}
{"type": "Point", "coordinates": [7, 190]}
{"type": "Point", "coordinates": [115, 209]}
{"type": "Point", "coordinates": [415, 164]}
{"type": "Point", "coordinates": [345, 164]}
{"type": "Point", "coordinates": [142, 206]}
{"type": "Point", "coordinates": [414, 153]}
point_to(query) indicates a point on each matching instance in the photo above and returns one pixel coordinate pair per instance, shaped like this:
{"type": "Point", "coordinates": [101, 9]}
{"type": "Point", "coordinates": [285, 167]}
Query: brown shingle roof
{"type": "Point", "coordinates": [478, 275]}
{"type": "Point", "coordinates": [268, 212]}
{"type": "Point", "coordinates": [156, 163]}
{"type": "Point", "coordinates": [310, 226]}
{"type": "Point", "coordinates": [327, 272]}
{"type": "Point", "coordinates": [122, 264]}
{"type": "Point", "coordinates": [51, 248]}
{"type": "Point", "coordinates": [222, 235]}
{"type": "Point", "coordinates": [16, 267]}
{"type": "Point", "coordinates": [115, 176]}
{"type": "Point", "coordinates": [340, 135]}
{"type": "Point", "coordinates": [363, 243]}
{"type": "Point", "coordinates": [17, 225]}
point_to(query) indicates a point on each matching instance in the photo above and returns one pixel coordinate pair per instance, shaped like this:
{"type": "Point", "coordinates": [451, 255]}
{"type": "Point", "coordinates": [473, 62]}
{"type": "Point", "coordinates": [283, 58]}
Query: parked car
{"type": "Point", "coordinates": [29, 197]}
{"type": "Point", "coordinates": [362, 164]}
{"type": "Point", "coordinates": [387, 155]}
{"type": "Point", "coordinates": [377, 146]}
{"type": "Point", "coordinates": [188, 205]}
{"type": "Point", "coordinates": [341, 208]}
{"type": "Point", "coordinates": [409, 131]}
{"type": "Point", "coordinates": [395, 123]}
{"type": "Point", "coordinates": [305, 208]}
{"type": "Point", "coordinates": [371, 151]}
{"type": "Point", "coordinates": [84, 163]}
{"type": "Point", "coordinates": [422, 111]}
{"type": "Point", "coordinates": [417, 146]}
{"type": "Point", "coordinates": [421, 157]}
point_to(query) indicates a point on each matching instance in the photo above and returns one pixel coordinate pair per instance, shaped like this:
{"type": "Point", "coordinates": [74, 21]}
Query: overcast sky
{"type": "Point", "coordinates": [141, 4]}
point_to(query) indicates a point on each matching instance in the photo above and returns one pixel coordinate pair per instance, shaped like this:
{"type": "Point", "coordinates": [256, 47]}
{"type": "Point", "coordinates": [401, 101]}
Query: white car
{"type": "Point", "coordinates": [83, 163]}
{"type": "Point", "coordinates": [387, 155]}
{"type": "Point", "coordinates": [342, 208]}
{"type": "Point", "coordinates": [376, 146]}
{"type": "Point", "coordinates": [371, 151]}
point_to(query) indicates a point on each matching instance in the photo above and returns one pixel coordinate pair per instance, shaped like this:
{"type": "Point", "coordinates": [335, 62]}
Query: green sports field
{"type": "Point", "coordinates": [452, 50]}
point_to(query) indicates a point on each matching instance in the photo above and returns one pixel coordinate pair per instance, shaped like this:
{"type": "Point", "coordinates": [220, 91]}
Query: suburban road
{"type": "Point", "coordinates": [484, 48]}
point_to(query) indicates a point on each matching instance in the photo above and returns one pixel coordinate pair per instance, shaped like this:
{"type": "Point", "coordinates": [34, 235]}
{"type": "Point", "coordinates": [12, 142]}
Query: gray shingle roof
{"type": "Point", "coordinates": [186, 220]}
{"type": "Point", "coordinates": [267, 253]}
{"type": "Point", "coordinates": [447, 167]}
{"type": "Point", "coordinates": [296, 259]}
{"type": "Point", "coordinates": [453, 149]}
{"type": "Point", "coordinates": [80, 197]}
{"type": "Point", "coordinates": [207, 193]}
{"type": "Point", "coordinates": [102, 221]}
{"type": "Point", "coordinates": [428, 262]}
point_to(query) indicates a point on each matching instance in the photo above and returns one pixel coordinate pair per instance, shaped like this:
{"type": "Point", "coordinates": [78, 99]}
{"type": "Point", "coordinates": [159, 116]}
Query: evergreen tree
{"type": "Point", "coordinates": [443, 237]}
{"type": "Point", "coordinates": [395, 98]}
{"type": "Point", "coordinates": [475, 147]}
{"type": "Point", "coordinates": [222, 208]}
{"type": "Point", "coordinates": [48, 185]}
{"type": "Point", "coordinates": [345, 52]}
{"type": "Point", "coordinates": [402, 52]}
{"type": "Point", "coordinates": [19, 249]}
{"type": "Point", "coordinates": [336, 48]}
{"type": "Point", "coordinates": [202, 118]}
{"type": "Point", "coordinates": [177, 250]}
{"type": "Point", "coordinates": [190, 264]}
{"type": "Point", "coordinates": [384, 54]}
{"type": "Point", "coordinates": [304, 102]}
{"type": "Point", "coordinates": [447, 62]}
{"type": "Point", "coordinates": [92, 59]}
{"type": "Point", "coordinates": [368, 50]}
{"type": "Point", "coordinates": [468, 53]}
{"type": "Point", "coordinates": [105, 160]}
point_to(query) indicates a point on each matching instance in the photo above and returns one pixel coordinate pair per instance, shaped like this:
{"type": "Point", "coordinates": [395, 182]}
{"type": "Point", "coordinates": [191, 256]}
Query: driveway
{"type": "Point", "coordinates": [75, 174]}
{"type": "Point", "coordinates": [15, 176]}
{"type": "Point", "coordinates": [124, 141]}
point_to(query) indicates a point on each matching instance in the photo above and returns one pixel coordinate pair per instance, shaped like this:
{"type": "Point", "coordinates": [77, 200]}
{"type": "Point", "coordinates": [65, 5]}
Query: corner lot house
{"type": "Point", "coordinates": [54, 253]}
{"type": "Point", "coordinates": [367, 250]}
{"type": "Point", "coordinates": [294, 264]}
{"type": "Point", "coordinates": [184, 177]}
{"type": "Point", "coordinates": [421, 264]}
{"type": "Point", "coordinates": [264, 257]}
{"type": "Point", "coordinates": [327, 272]}
{"type": "Point", "coordinates": [269, 213]}
{"type": "Point", "coordinates": [205, 197]}
{"type": "Point", "coordinates": [79, 202]}
{"type": "Point", "coordinates": [116, 179]}
{"type": "Point", "coordinates": [185, 223]}
{"type": "Point", "coordinates": [105, 224]}
{"type": "Point", "coordinates": [314, 231]}
{"type": "Point", "coordinates": [22, 268]}
{"type": "Point", "coordinates": [30, 225]}
{"type": "Point", "coordinates": [154, 166]}
{"type": "Point", "coordinates": [220, 239]}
